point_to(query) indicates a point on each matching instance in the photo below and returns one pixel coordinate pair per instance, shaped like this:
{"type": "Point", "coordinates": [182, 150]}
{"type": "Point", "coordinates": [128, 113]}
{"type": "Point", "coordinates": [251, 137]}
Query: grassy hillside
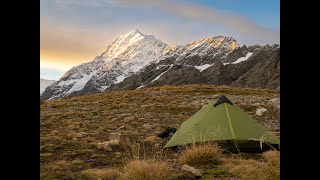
{"type": "Point", "coordinates": [71, 128]}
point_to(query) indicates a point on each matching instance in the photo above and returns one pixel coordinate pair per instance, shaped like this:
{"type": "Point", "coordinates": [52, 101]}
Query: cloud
{"type": "Point", "coordinates": [75, 31]}
{"type": "Point", "coordinates": [72, 42]}
{"type": "Point", "coordinates": [234, 22]}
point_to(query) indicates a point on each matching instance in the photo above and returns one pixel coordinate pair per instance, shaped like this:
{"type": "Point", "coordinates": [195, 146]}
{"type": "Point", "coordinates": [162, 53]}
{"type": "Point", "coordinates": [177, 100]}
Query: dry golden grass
{"type": "Point", "coordinates": [149, 152]}
{"type": "Point", "coordinates": [147, 170]}
{"type": "Point", "coordinates": [104, 174]}
{"type": "Point", "coordinates": [65, 165]}
{"type": "Point", "coordinates": [250, 169]}
{"type": "Point", "coordinates": [152, 139]}
{"type": "Point", "coordinates": [201, 155]}
{"type": "Point", "coordinates": [273, 160]}
{"type": "Point", "coordinates": [100, 114]}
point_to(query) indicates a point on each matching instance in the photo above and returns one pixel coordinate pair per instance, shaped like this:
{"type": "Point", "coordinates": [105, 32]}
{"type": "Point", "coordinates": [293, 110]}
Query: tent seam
{"type": "Point", "coordinates": [230, 126]}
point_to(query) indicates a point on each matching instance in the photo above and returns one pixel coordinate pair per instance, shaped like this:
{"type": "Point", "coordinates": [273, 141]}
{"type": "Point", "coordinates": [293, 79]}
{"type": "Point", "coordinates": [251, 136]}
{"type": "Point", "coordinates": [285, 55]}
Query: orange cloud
{"type": "Point", "coordinates": [71, 44]}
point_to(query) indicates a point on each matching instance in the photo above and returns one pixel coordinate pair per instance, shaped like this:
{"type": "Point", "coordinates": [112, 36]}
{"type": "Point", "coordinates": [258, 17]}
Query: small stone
{"type": "Point", "coordinates": [104, 146]}
{"type": "Point", "coordinates": [191, 169]}
{"type": "Point", "coordinates": [215, 96]}
{"type": "Point", "coordinates": [121, 127]}
{"type": "Point", "coordinates": [275, 102]}
{"type": "Point", "coordinates": [128, 119]}
{"type": "Point", "coordinates": [82, 134]}
{"type": "Point", "coordinates": [256, 104]}
{"type": "Point", "coordinates": [113, 119]}
{"type": "Point", "coordinates": [113, 142]}
{"type": "Point", "coordinates": [260, 111]}
{"type": "Point", "coordinates": [147, 126]}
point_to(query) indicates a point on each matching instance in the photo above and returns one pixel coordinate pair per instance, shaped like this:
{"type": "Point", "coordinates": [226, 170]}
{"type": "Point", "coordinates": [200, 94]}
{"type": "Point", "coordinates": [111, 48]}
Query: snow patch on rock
{"type": "Point", "coordinates": [203, 67]}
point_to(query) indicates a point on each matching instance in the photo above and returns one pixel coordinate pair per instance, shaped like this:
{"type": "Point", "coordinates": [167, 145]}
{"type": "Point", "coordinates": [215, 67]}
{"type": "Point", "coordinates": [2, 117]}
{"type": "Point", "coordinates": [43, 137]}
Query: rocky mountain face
{"type": "Point", "coordinates": [259, 70]}
{"type": "Point", "coordinates": [135, 60]}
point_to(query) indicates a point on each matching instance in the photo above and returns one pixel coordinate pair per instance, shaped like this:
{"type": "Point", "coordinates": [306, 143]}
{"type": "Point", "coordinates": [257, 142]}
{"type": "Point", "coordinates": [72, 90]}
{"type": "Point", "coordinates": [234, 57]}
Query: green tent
{"type": "Point", "coordinates": [225, 123]}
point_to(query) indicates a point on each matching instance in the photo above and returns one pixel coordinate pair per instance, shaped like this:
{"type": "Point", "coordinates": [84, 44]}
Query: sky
{"type": "Point", "coordinates": [73, 32]}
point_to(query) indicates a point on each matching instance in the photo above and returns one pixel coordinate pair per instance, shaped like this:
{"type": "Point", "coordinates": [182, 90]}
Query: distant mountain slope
{"type": "Point", "coordinates": [44, 84]}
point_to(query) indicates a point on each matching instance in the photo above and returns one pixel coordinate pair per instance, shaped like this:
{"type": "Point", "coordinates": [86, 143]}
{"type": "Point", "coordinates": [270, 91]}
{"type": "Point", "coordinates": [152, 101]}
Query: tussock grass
{"type": "Point", "coordinates": [100, 114]}
{"type": "Point", "coordinates": [250, 169]}
{"type": "Point", "coordinates": [154, 152]}
{"type": "Point", "coordinates": [146, 170]}
{"type": "Point", "coordinates": [104, 174]}
{"type": "Point", "coordinates": [201, 155]}
{"type": "Point", "coordinates": [145, 162]}
{"type": "Point", "coordinates": [272, 158]}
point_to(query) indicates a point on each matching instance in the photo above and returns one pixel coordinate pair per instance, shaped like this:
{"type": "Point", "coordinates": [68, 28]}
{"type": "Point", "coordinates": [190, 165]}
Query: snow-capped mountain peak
{"type": "Point", "coordinates": [123, 57]}
{"type": "Point", "coordinates": [130, 54]}
{"type": "Point", "coordinates": [120, 46]}
{"type": "Point", "coordinates": [137, 33]}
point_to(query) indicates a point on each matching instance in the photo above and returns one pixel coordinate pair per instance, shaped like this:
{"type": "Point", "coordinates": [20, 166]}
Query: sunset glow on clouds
{"type": "Point", "coordinates": [76, 31]}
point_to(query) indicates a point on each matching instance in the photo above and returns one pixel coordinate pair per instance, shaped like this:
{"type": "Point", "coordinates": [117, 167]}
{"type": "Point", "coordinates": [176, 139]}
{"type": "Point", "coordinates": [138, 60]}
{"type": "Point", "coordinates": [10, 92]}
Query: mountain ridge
{"type": "Point", "coordinates": [136, 60]}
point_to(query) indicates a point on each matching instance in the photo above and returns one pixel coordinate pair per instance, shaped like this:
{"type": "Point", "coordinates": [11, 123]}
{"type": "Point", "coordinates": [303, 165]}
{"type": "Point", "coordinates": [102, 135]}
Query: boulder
{"type": "Point", "coordinates": [191, 170]}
